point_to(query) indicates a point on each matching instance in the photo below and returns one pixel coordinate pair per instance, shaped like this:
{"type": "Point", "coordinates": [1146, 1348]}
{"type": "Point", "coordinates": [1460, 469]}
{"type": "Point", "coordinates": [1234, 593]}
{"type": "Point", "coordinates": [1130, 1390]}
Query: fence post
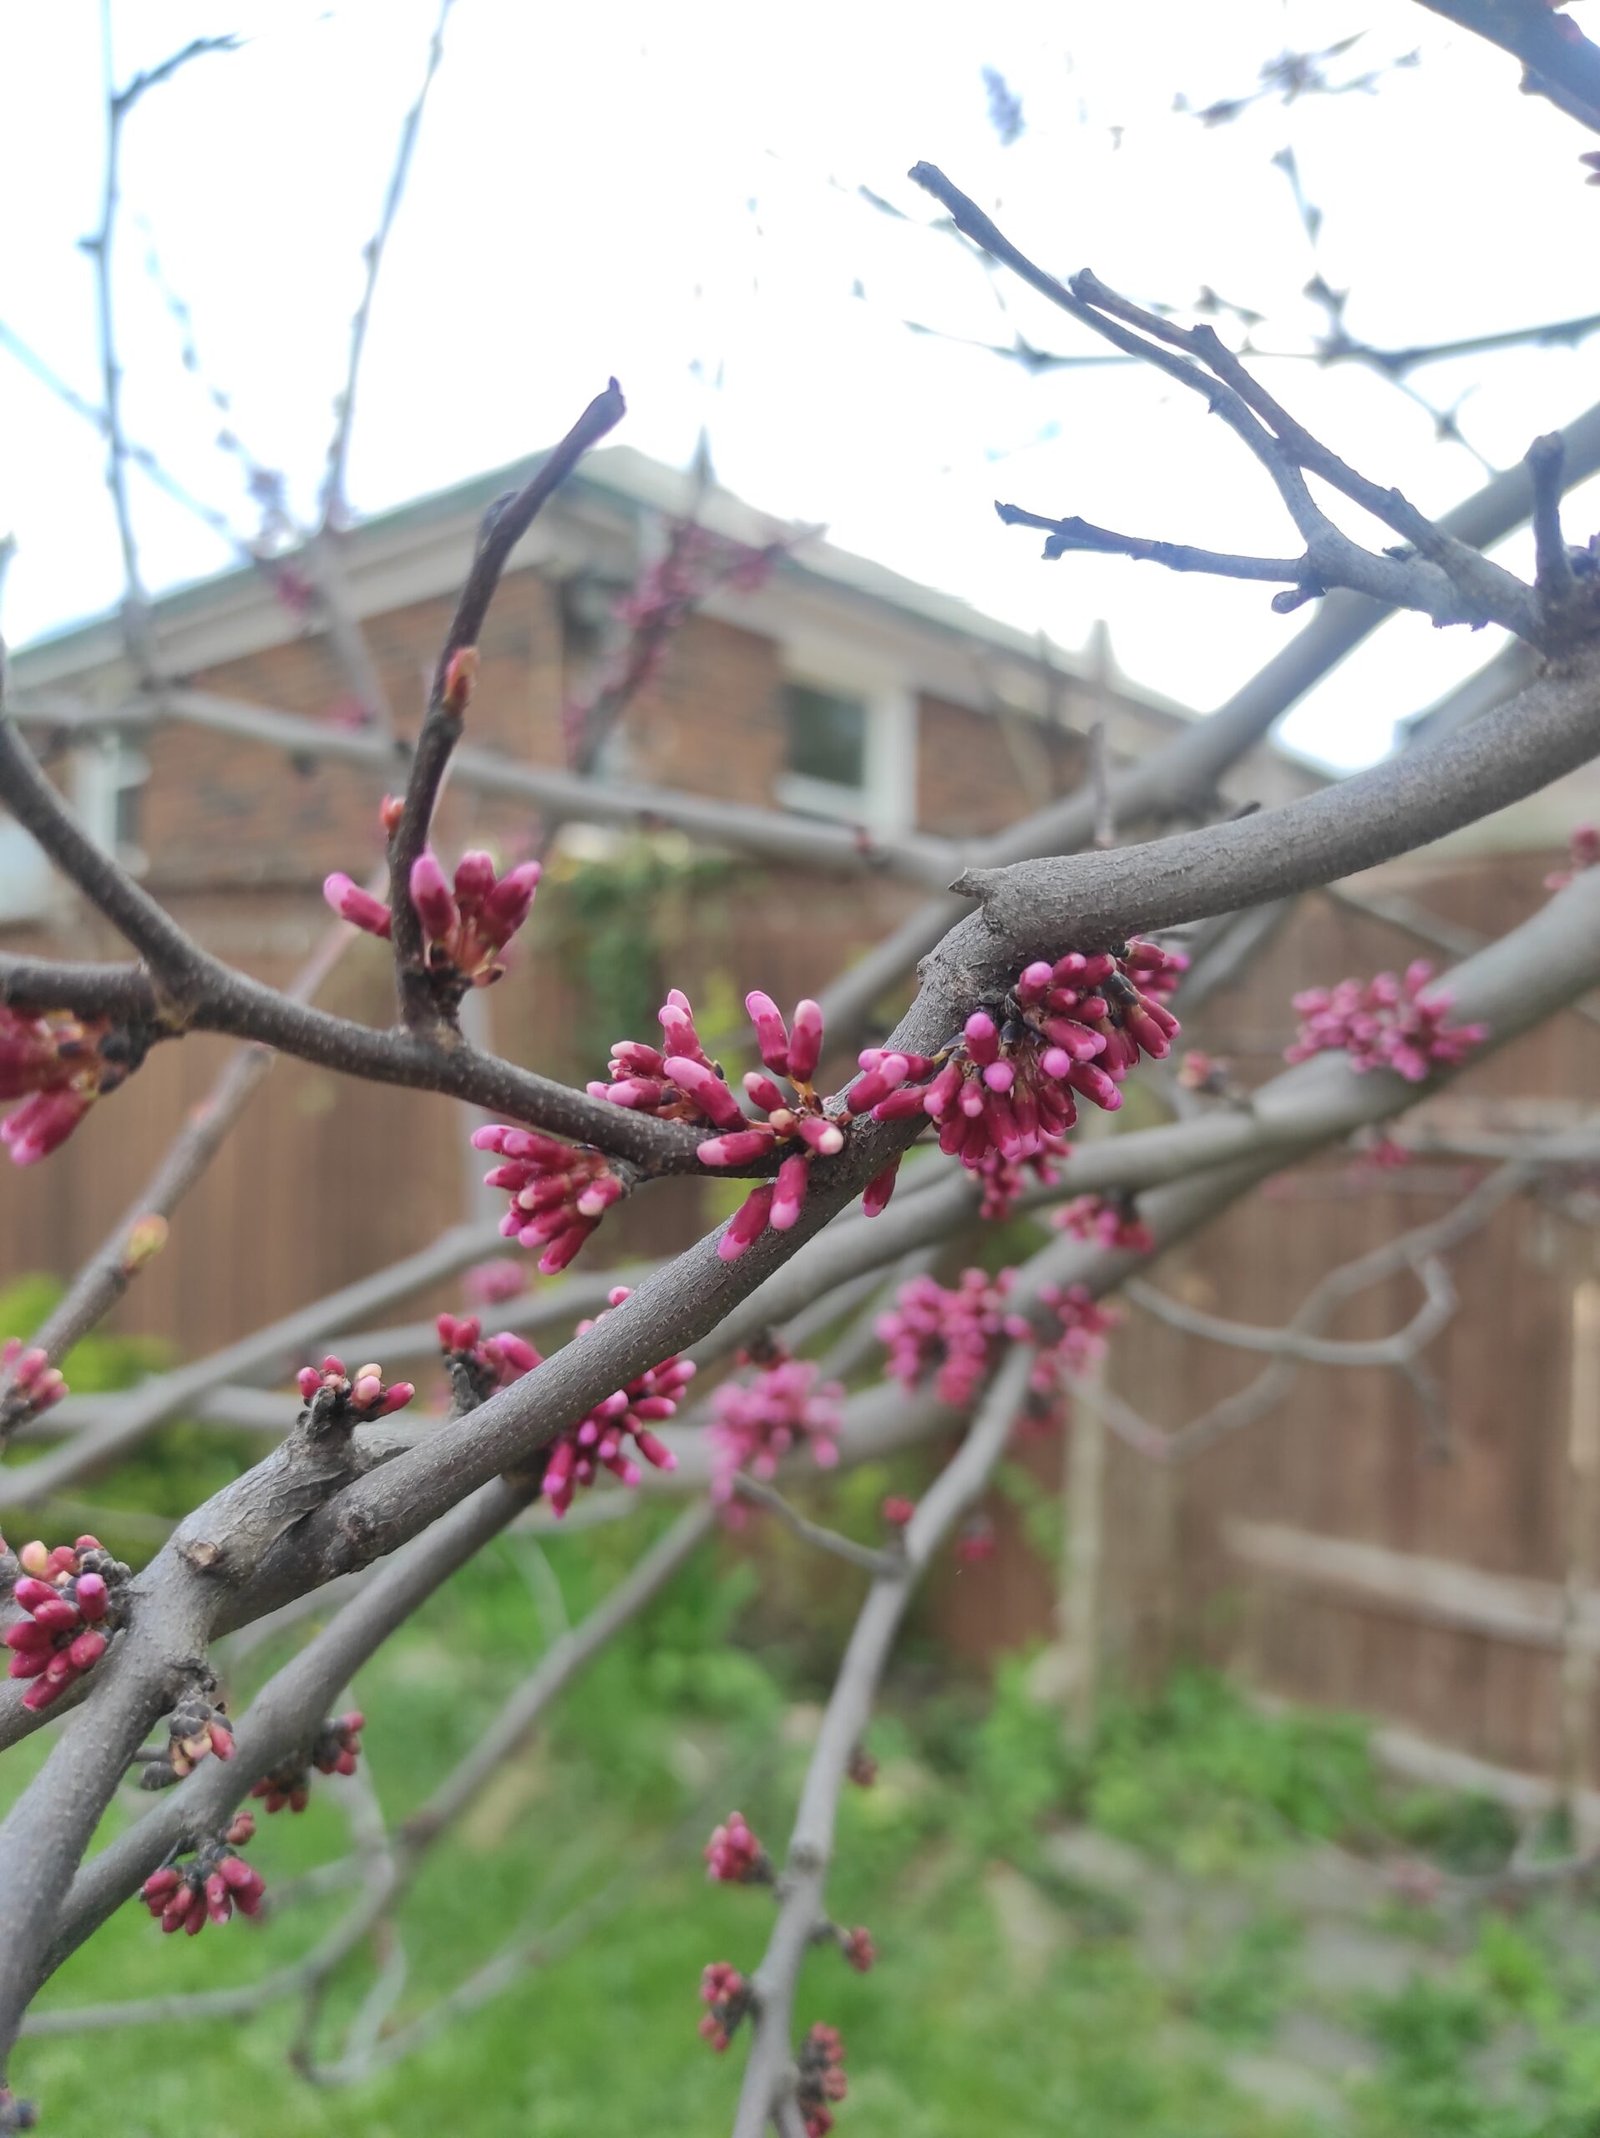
{"type": "Point", "coordinates": [1583, 1522]}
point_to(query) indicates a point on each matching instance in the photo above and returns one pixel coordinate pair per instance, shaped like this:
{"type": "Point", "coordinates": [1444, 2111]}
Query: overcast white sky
{"type": "Point", "coordinates": [669, 193]}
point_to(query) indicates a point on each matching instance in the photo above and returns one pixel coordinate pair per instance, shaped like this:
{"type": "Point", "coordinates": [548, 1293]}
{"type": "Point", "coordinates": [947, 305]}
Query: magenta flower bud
{"type": "Point", "coordinates": [30, 1591]}
{"type": "Point", "coordinates": [983, 1038]}
{"type": "Point", "coordinates": [735, 1150]}
{"type": "Point", "coordinates": [772, 1034]}
{"type": "Point", "coordinates": [86, 1650]}
{"type": "Point", "coordinates": [395, 1397]}
{"type": "Point", "coordinates": [55, 1614]}
{"type": "Point", "coordinates": [746, 1225]}
{"type": "Point", "coordinates": [474, 877]}
{"type": "Point", "coordinates": [876, 1194]}
{"type": "Point", "coordinates": [511, 900]}
{"type": "Point", "coordinates": [805, 1041]}
{"type": "Point", "coordinates": [644, 1093]}
{"type": "Point", "coordinates": [789, 1194]}
{"type": "Point", "coordinates": [999, 1077]}
{"type": "Point", "coordinates": [764, 1092]}
{"type": "Point", "coordinates": [1034, 982]}
{"type": "Point", "coordinates": [92, 1596]}
{"type": "Point", "coordinates": [900, 1105]}
{"type": "Point", "coordinates": [826, 1138]}
{"type": "Point", "coordinates": [876, 1082]}
{"type": "Point", "coordinates": [562, 1248]}
{"type": "Point", "coordinates": [432, 899]}
{"type": "Point", "coordinates": [355, 905]}
{"type": "Point", "coordinates": [707, 1090]}
{"type": "Point", "coordinates": [29, 1636]}
{"type": "Point", "coordinates": [365, 1390]}
{"type": "Point", "coordinates": [597, 1198]}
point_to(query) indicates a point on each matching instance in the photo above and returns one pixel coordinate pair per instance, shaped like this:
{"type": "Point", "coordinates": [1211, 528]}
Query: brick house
{"type": "Point", "coordinates": [845, 691]}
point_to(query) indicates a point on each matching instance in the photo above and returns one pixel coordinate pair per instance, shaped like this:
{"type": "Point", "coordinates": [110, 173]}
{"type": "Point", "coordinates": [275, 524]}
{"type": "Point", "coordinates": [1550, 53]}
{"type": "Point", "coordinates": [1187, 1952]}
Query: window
{"type": "Point", "coordinates": [848, 748]}
{"type": "Point", "coordinates": [108, 793]}
{"type": "Point", "coordinates": [825, 735]}
{"type": "Point", "coordinates": [104, 780]}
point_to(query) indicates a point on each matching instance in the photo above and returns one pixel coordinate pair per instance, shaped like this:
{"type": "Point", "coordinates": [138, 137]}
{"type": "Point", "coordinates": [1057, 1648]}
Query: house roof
{"type": "Point", "coordinates": [823, 601]}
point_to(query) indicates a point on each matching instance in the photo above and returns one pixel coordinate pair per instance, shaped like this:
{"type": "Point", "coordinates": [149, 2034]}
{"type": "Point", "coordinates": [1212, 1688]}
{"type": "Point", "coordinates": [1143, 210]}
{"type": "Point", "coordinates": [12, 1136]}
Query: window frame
{"type": "Point", "coordinates": [886, 799]}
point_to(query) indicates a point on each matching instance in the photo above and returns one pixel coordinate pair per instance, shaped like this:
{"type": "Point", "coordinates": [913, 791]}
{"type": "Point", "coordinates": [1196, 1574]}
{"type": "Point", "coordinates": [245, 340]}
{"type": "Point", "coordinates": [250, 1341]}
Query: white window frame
{"type": "Point", "coordinates": [102, 773]}
{"type": "Point", "coordinates": [886, 799]}
{"type": "Point", "coordinates": [27, 880]}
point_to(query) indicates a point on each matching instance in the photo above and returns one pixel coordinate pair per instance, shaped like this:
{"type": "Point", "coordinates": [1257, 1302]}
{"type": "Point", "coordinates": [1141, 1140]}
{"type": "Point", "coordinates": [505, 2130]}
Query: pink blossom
{"type": "Point", "coordinates": [335, 1749]}
{"type": "Point", "coordinates": [727, 1995]}
{"type": "Point", "coordinates": [335, 1400]}
{"type": "Point", "coordinates": [820, 2078]}
{"type": "Point", "coordinates": [1387, 1022]}
{"type": "Point", "coordinates": [735, 1857]}
{"type": "Point", "coordinates": [1083, 1325]}
{"type": "Point", "coordinates": [58, 1065]}
{"type": "Point", "coordinates": [483, 1363]}
{"type": "Point", "coordinates": [858, 1949]}
{"type": "Point", "coordinates": [491, 1284]}
{"type": "Point", "coordinates": [207, 1888]}
{"type": "Point", "coordinates": [955, 1333]}
{"type": "Point", "coordinates": [34, 1383]}
{"type": "Point", "coordinates": [679, 1081]}
{"type": "Point", "coordinates": [72, 1600]}
{"type": "Point", "coordinates": [354, 904]}
{"type": "Point", "coordinates": [897, 1512]}
{"type": "Point", "coordinates": [1005, 1090]}
{"type": "Point", "coordinates": [757, 1422]}
{"type": "Point", "coordinates": [559, 1191]}
{"type": "Point", "coordinates": [596, 1442]}
{"type": "Point", "coordinates": [1112, 1221]}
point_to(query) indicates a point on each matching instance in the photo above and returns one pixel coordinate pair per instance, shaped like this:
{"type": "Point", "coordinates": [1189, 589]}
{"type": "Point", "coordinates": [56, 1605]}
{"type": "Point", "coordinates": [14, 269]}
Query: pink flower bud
{"type": "Point", "coordinates": [92, 1596]}
{"type": "Point", "coordinates": [875, 1196]}
{"type": "Point", "coordinates": [708, 1092]}
{"type": "Point", "coordinates": [475, 877]}
{"type": "Point", "coordinates": [772, 1034]}
{"type": "Point", "coordinates": [789, 1194]}
{"type": "Point", "coordinates": [738, 1149]}
{"type": "Point", "coordinates": [355, 905]}
{"type": "Point", "coordinates": [746, 1225]}
{"type": "Point", "coordinates": [432, 898]}
{"type": "Point", "coordinates": [805, 1041]}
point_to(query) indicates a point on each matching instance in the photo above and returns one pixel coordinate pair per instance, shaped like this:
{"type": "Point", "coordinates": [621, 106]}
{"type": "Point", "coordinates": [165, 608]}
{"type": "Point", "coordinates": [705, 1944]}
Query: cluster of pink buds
{"type": "Point", "coordinates": [679, 1081]}
{"type": "Point", "coordinates": [335, 1749]}
{"type": "Point", "coordinates": [757, 1422]}
{"type": "Point", "coordinates": [481, 1364]}
{"type": "Point", "coordinates": [196, 1730]}
{"type": "Point", "coordinates": [1004, 1182]}
{"type": "Point", "coordinates": [735, 1857]}
{"type": "Point", "coordinates": [491, 1284]}
{"type": "Point", "coordinates": [1388, 1022]}
{"type": "Point", "coordinates": [857, 1947]}
{"type": "Point", "coordinates": [1007, 1087]}
{"type": "Point", "coordinates": [953, 1333]}
{"type": "Point", "coordinates": [1209, 1074]}
{"type": "Point", "coordinates": [1111, 1221]}
{"type": "Point", "coordinates": [209, 1886]}
{"type": "Point", "coordinates": [1085, 1324]}
{"type": "Point", "coordinates": [34, 1384]}
{"type": "Point", "coordinates": [465, 926]}
{"type": "Point", "coordinates": [819, 2078]}
{"type": "Point", "coordinates": [595, 1443]}
{"type": "Point", "coordinates": [1583, 849]}
{"type": "Point", "coordinates": [559, 1192]}
{"type": "Point", "coordinates": [726, 1994]}
{"type": "Point", "coordinates": [71, 1598]}
{"type": "Point", "coordinates": [58, 1065]}
{"type": "Point", "coordinates": [336, 1400]}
